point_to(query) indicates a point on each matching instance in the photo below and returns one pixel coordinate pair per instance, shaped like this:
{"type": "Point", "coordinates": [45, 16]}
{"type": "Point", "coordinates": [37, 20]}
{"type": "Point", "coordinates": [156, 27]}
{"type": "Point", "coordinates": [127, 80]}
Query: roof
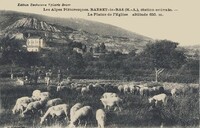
{"type": "Point", "coordinates": [35, 37]}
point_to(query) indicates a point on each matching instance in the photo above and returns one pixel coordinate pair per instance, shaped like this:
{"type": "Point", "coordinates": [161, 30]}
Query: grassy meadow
{"type": "Point", "coordinates": [181, 111]}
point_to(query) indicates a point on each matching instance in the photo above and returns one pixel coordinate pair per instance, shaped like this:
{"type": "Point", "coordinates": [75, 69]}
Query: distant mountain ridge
{"type": "Point", "coordinates": [75, 23]}
{"type": "Point", "coordinates": [32, 23]}
{"type": "Point", "coordinates": [91, 33]}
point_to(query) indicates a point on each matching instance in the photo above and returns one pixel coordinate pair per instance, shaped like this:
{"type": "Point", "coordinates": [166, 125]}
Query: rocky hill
{"type": "Point", "coordinates": [21, 25]}
{"type": "Point", "coordinates": [32, 23]}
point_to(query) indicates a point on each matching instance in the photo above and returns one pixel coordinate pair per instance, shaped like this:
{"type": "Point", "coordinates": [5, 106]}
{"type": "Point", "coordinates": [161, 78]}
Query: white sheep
{"type": "Point", "coordinates": [173, 91]}
{"type": "Point", "coordinates": [36, 94]}
{"type": "Point", "coordinates": [74, 109]}
{"type": "Point", "coordinates": [35, 106]}
{"type": "Point", "coordinates": [44, 95]}
{"type": "Point", "coordinates": [126, 89]}
{"type": "Point", "coordinates": [120, 88]}
{"type": "Point", "coordinates": [84, 90]}
{"type": "Point", "coordinates": [159, 98]}
{"type": "Point", "coordinates": [54, 111]}
{"type": "Point", "coordinates": [47, 80]}
{"type": "Point", "coordinates": [60, 86]}
{"type": "Point", "coordinates": [18, 108]}
{"type": "Point", "coordinates": [144, 91]}
{"type": "Point", "coordinates": [21, 104]}
{"type": "Point", "coordinates": [53, 102]}
{"type": "Point", "coordinates": [82, 113]}
{"type": "Point", "coordinates": [111, 102]}
{"type": "Point", "coordinates": [96, 85]}
{"type": "Point", "coordinates": [134, 89]}
{"type": "Point", "coordinates": [101, 118]}
{"type": "Point", "coordinates": [24, 99]}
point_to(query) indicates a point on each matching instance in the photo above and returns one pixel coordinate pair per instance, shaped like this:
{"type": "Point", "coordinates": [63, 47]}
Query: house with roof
{"type": "Point", "coordinates": [35, 44]}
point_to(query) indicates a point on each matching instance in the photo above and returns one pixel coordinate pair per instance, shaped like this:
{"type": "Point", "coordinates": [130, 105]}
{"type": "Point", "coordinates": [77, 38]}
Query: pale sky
{"type": "Point", "coordinates": [181, 26]}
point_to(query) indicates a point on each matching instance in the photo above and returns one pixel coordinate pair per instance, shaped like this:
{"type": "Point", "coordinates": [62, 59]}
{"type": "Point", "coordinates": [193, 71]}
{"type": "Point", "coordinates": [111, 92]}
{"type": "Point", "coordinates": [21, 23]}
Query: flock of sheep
{"type": "Point", "coordinates": [42, 103]}
{"type": "Point", "coordinates": [55, 108]}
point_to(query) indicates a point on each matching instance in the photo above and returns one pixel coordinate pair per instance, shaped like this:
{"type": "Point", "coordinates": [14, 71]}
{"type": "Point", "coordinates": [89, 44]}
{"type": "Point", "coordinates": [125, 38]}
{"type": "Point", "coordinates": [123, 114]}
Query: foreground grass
{"type": "Point", "coordinates": [181, 111]}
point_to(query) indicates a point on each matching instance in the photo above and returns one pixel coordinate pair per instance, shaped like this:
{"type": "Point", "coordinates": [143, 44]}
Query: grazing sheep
{"type": "Point", "coordinates": [173, 91]}
{"type": "Point", "coordinates": [24, 99]}
{"type": "Point", "coordinates": [101, 118]}
{"type": "Point", "coordinates": [21, 104]}
{"type": "Point", "coordinates": [18, 108]}
{"type": "Point", "coordinates": [134, 89]}
{"type": "Point", "coordinates": [32, 107]}
{"type": "Point", "coordinates": [121, 88]}
{"type": "Point", "coordinates": [59, 88]}
{"type": "Point", "coordinates": [126, 89]}
{"type": "Point", "coordinates": [53, 102]}
{"type": "Point", "coordinates": [44, 95]}
{"type": "Point", "coordinates": [96, 85]}
{"type": "Point", "coordinates": [159, 98]}
{"type": "Point", "coordinates": [111, 102]}
{"type": "Point", "coordinates": [144, 91]}
{"type": "Point", "coordinates": [84, 90]}
{"type": "Point", "coordinates": [81, 114]}
{"type": "Point", "coordinates": [74, 109]}
{"type": "Point", "coordinates": [35, 106]}
{"type": "Point", "coordinates": [36, 94]}
{"type": "Point", "coordinates": [47, 81]}
{"type": "Point", "coordinates": [54, 111]}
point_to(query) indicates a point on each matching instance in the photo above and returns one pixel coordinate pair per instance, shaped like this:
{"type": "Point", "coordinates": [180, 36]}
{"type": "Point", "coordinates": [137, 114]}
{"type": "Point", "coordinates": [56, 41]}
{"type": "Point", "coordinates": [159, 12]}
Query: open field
{"type": "Point", "coordinates": [181, 111]}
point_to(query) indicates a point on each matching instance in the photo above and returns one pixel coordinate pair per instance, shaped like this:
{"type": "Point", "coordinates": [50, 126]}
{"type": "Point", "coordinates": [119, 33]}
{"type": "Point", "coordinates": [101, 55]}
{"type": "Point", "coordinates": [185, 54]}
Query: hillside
{"type": "Point", "coordinates": [91, 33]}
{"type": "Point", "coordinates": [192, 51]}
{"type": "Point", "coordinates": [32, 23]}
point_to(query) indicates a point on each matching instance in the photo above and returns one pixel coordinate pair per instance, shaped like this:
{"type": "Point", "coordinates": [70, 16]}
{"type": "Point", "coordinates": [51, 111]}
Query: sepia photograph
{"type": "Point", "coordinates": [99, 64]}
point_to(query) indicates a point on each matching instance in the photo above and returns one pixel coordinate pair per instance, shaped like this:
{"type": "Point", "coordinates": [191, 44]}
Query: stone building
{"type": "Point", "coordinates": [34, 44]}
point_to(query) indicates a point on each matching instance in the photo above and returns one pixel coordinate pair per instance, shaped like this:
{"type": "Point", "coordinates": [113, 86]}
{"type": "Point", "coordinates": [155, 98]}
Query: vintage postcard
{"type": "Point", "coordinates": [99, 63]}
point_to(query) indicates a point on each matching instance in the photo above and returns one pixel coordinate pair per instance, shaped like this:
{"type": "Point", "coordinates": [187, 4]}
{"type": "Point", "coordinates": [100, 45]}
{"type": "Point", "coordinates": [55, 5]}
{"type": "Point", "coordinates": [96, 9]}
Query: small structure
{"type": "Point", "coordinates": [34, 44]}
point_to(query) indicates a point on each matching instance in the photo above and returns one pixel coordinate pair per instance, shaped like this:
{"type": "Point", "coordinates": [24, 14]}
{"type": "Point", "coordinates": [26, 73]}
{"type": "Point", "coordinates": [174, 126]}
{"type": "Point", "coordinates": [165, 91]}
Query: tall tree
{"type": "Point", "coordinates": [12, 53]}
{"type": "Point", "coordinates": [163, 54]}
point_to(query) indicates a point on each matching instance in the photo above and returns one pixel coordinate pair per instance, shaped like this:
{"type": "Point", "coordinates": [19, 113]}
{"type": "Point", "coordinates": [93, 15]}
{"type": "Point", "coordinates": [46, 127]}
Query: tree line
{"type": "Point", "coordinates": [159, 61]}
